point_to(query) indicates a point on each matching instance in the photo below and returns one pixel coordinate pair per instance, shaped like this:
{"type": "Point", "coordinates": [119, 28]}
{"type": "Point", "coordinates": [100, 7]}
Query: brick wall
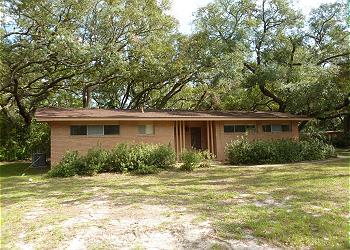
{"type": "Point", "coordinates": [223, 139]}
{"type": "Point", "coordinates": [62, 141]}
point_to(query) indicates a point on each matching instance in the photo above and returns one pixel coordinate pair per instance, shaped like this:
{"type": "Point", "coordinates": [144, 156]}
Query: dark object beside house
{"type": "Point", "coordinates": [39, 160]}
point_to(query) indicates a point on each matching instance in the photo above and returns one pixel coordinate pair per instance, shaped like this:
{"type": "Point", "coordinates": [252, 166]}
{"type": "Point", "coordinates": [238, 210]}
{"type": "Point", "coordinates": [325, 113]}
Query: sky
{"type": "Point", "coordinates": [183, 9]}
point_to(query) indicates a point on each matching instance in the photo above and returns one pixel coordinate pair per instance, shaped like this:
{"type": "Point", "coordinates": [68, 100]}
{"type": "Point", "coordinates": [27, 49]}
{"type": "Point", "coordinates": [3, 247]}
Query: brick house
{"type": "Point", "coordinates": [82, 129]}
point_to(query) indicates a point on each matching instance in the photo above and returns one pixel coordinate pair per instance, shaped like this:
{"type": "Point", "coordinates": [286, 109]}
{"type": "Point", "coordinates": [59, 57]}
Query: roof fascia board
{"type": "Point", "coordinates": [44, 119]}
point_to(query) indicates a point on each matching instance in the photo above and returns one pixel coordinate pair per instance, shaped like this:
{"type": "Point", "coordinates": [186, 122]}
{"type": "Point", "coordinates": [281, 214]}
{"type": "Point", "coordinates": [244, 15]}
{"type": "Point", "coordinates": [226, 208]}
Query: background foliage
{"type": "Point", "coordinates": [242, 55]}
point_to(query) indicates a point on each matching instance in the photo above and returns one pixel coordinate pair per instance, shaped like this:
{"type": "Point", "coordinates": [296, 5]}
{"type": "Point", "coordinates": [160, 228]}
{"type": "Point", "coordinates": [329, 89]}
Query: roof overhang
{"type": "Point", "coordinates": [84, 119]}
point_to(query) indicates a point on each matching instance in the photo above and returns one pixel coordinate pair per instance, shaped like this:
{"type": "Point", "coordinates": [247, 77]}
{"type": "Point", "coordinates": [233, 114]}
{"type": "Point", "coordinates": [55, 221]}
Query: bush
{"type": "Point", "coordinates": [140, 159]}
{"type": "Point", "coordinates": [18, 142]}
{"type": "Point", "coordinates": [277, 151]}
{"type": "Point", "coordinates": [163, 157]}
{"type": "Point", "coordinates": [190, 159]}
{"type": "Point", "coordinates": [119, 158]}
{"type": "Point", "coordinates": [68, 166]}
{"type": "Point", "coordinates": [146, 169]}
{"type": "Point", "coordinates": [206, 155]}
{"type": "Point", "coordinates": [95, 161]}
{"type": "Point", "coordinates": [139, 156]}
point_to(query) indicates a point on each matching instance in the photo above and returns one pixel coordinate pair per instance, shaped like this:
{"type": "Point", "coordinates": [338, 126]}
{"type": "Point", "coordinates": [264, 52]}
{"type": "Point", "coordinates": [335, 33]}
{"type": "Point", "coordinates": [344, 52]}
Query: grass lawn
{"type": "Point", "coordinates": [293, 205]}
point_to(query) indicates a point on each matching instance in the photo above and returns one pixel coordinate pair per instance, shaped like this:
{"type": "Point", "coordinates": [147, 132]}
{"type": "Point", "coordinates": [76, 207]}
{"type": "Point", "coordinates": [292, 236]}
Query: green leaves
{"type": "Point", "coordinates": [296, 64]}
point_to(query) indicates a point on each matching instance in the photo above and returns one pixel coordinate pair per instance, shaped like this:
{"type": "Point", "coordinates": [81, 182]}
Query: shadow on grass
{"type": "Point", "coordinates": [19, 169]}
{"type": "Point", "coordinates": [205, 191]}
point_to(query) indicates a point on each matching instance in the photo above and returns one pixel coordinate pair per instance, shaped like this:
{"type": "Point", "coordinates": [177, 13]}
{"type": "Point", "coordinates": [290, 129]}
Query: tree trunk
{"type": "Point", "coordinates": [346, 124]}
{"type": "Point", "coordinates": [86, 97]}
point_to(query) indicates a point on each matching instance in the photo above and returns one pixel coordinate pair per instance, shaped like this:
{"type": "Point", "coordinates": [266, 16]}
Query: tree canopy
{"type": "Point", "coordinates": [242, 55]}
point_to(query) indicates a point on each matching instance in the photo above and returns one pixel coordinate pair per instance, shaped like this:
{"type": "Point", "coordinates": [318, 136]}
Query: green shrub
{"type": "Point", "coordinates": [139, 155]}
{"type": "Point", "coordinates": [119, 158]}
{"type": "Point", "coordinates": [144, 169]}
{"type": "Point", "coordinates": [316, 150]}
{"type": "Point", "coordinates": [18, 142]}
{"type": "Point", "coordinates": [68, 166]}
{"type": "Point", "coordinates": [206, 155]}
{"type": "Point", "coordinates": [139, 159]}
{"type": "Point", "coordinates": [190, 159]}
{"type": "Point", "coordinates": [277, 151]}
{"type": "Point", "coordinates": [95, 161]}
{"type": "Point", "coordinates": [163, 157]}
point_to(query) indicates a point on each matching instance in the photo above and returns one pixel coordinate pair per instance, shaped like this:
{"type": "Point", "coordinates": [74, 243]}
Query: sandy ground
{"type": "Point", "coordinates": [99, 224]}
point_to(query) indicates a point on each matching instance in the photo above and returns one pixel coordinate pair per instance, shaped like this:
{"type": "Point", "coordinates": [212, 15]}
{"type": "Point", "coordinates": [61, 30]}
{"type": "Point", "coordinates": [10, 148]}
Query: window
{"type": "Point", "coordinates": [78, 130]}
{"type": "Point", "coordinates": [266, 128]}
{"type": "Point", "coordinates": [229, 128]}
{"type": "Point", "coordinates": [111, 130]}
{"type": "Point", "coordinates": [286, 128]}
{"type": "Point", "coordinates": [146, 129]}
{"type": "Point", "coordinates": [238, 128]}
{"type": "Point", "coordinates": [276, 128]}
{"type": "Point", "coordinates": [95, 129]}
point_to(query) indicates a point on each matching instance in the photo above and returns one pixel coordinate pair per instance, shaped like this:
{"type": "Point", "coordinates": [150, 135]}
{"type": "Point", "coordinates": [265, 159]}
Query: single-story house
{"type": "Point", "coordinates": [82, 129]}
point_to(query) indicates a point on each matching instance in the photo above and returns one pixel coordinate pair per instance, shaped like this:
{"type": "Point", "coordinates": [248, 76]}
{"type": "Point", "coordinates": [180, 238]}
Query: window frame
{"type": "Point", "coordinates": [278, 131]}
{"type": "Point", "coordinates": [118, 125]}
{"type": "Point", "coordinates": [94, 135]}
{"type": "Point", "coordinates": [77, 125]}
{"type": "Point", "coordinates": [245, 127]}
{"type": "Point", "coordinates": [149, 124]}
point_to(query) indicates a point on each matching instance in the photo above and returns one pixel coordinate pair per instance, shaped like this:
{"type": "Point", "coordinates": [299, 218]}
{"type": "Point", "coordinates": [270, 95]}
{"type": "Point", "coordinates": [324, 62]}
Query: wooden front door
{"type": "Point", "coordinates": [196, 136]}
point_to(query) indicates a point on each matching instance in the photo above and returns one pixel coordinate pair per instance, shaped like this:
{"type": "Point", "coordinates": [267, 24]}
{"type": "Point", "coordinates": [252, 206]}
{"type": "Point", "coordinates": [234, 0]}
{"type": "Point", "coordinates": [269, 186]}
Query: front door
{"type": "Point", "coordinates": [196, 138]}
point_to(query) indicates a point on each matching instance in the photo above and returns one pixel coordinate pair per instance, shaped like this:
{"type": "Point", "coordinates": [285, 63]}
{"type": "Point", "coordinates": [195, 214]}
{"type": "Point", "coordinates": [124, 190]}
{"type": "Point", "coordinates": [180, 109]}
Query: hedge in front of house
{"type": "Point", "coordinates": [140, 159]}
{"type": "Point", "coordinates": [277, 151]}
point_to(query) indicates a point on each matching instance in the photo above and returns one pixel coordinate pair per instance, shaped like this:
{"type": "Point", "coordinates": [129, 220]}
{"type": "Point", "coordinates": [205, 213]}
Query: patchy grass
{"type": "Point", "coordinates": [293, 205]}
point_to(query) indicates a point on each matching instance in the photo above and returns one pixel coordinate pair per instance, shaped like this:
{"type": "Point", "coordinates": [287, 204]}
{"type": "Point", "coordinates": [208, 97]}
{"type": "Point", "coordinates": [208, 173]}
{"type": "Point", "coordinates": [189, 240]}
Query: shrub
{"type": "Point", "coordinates": [119, 158]}
{"type": "Point", "coordinates": [144, 169]}
{"type": "Point", "coordinates": [277, 151]}
{"type": "Point", "coordinates": [139, 155]}
{"type": "Point", "coordinates": [163, 157]}
{"type": "Point", "coordinates": [95, 161]}
{"type": "Point", "coordinates": [140, 159]}
{"type": "Point", "coordinates": [68, 166]}
{"type": "Point", "coordinates": [190, 159]}
{"type": "Point", "coordinates": [206, 155]}
{"type": "Point", "coordinates": [316, 150]}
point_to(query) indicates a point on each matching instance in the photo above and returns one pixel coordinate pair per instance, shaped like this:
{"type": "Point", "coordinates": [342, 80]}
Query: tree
{"type": "Point", "coordinates": [296, 65]}
{"type": "Point", "coordinates": [76, 48]}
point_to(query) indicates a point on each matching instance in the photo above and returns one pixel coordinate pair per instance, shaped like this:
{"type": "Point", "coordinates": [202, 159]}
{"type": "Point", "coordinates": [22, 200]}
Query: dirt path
{"type": "Point", "coordinates": [99, 224]}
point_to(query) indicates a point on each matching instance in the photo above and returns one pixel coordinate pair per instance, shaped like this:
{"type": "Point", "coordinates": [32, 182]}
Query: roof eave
{"type": "Point", "coordinates": [51, 119]}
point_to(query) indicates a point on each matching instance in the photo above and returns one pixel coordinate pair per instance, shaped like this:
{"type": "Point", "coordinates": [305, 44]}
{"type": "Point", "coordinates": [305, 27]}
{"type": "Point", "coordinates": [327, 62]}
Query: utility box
{"type": "Point", "coordinates": [39, 160]}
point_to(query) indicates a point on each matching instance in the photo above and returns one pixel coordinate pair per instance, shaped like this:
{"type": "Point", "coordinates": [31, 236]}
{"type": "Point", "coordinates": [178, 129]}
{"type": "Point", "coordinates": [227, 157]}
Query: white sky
{"type": "Point", "coordinates": [183, 9]}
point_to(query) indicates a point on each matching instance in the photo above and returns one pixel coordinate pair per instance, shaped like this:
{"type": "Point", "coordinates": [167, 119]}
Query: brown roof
{"type": "Point", "coordinates": [63, 114]}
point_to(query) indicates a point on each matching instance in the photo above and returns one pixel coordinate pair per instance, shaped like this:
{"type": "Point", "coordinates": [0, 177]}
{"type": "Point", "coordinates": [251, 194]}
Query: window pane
{"type": "Point", "coordinates": [78, 130]}
{"type": "Point", "coordinates": [149, 130]}
{"type": "Point", "coordinates": [229, 128]}
{"type": "Point", "coordinates": [266, 128]}
{"type": "Point", "coordinates": [111, 130]}
{"type": "Point", "coordinates": [95, 130]}
{"type": "Point", "coordinates": [146, 129]}
{"type": "Point", "coordinates": [276, 128]}
{"type": "Point", "coordinates": [285, 128]}
{"type": "Point", "coordinates": [142, 129]}
{"type": "Point", "coordinates": [240, 128]}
